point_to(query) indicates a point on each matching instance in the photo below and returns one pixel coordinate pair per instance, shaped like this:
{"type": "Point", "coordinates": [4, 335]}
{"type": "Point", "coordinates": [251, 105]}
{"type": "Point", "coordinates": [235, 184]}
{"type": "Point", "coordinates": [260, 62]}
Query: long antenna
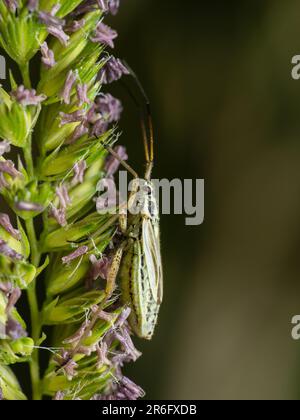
{"type": "Point", "coordinates": [148, 141]}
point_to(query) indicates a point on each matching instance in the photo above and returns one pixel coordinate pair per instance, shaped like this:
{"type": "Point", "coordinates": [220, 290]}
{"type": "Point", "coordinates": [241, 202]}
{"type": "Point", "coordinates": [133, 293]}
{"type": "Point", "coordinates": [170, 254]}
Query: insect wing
{"type": "Point", "coordinates": [152, 253]}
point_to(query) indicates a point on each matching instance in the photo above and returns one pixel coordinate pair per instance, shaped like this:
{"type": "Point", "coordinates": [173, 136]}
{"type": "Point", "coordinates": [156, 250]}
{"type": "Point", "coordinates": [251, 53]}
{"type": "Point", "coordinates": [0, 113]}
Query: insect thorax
{"type": "Point", "coordinates": [142, 200]}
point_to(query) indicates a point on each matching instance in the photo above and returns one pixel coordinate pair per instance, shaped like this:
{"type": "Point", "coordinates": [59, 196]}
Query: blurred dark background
{"type": "Point", "coordinates": [225, 109]}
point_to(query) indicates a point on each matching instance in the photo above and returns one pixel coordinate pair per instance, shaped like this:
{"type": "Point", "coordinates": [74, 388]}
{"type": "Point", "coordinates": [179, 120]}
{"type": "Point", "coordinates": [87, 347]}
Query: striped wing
{"type": "Point", "coordinates": [152, 253]}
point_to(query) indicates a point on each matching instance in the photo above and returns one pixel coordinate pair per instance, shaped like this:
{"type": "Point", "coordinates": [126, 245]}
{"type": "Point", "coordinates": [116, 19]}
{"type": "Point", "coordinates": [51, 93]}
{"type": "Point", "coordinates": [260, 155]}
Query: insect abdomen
{"type": "Point", "coordinates": [136, 291]}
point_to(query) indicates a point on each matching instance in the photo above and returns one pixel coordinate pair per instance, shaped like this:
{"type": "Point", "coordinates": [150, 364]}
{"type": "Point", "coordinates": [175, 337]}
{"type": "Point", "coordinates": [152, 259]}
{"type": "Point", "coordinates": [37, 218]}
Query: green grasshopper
{"type": "Point", "coordinates": [137, 262]}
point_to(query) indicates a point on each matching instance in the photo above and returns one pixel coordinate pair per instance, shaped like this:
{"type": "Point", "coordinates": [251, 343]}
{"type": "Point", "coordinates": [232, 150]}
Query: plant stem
{"type": "Point", "coordinates": [35, 257]}
{"type": "Point", "coordinates": [28, 157]}
{"type": "Point", "coordinates": [26, 74]}
{"type": "Point", "coordinates": [35, 314]}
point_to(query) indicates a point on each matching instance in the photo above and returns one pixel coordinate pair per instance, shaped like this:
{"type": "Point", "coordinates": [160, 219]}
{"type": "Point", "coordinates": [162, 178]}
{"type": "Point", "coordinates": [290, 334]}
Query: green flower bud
{"type": "Point", "coordinates": [19, 244]}
{"type": "Point", "coordinates": [71, 308]}
{"type": "Point", "coordinates": [19, 273]}
{"type": "Point", "coordinates": [21, 34]}
{"type": "Point", "coordinates": [9, 385]}
{"type": "Point", "coordinates": [12, 242]}
{"type": "Point", "coordinates": [94, 226]}
{"type": "Point", "coordinates": [99, 330]}
{"type": "Point", "coordinates": [50, 132]}
{"type": "Point", "coordinates": [66, 6]}
{"type": "Point", "coordinates": [94, 380]}
{"type": "Point", "coordinates": [15, 347]}
{"type": "Point", "coordinates": [63, 277]}
{"type": "Point", "coordinates": [16, 120]}
{"type": "Point", "coordinates": [57, 165]}
{"type": "Point", "coordinates": [31, 200]}
{"type": "Point", "coordinates": [80, 54]}
{"type": "Point", "coordinates": [17, 351]}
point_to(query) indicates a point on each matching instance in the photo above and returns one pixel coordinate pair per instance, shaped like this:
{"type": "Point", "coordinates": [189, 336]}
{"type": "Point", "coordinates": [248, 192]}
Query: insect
{"type": "Point", "coordinates": [137, 262]}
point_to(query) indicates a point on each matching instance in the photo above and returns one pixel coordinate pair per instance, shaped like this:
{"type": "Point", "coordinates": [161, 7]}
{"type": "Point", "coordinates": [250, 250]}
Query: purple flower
{"type": "Point", "coordinates": [125, 389]}
{"type": "Point", "coordinates": [130, 389]}
{"type": "Point", "coordinates": [54, 24]}
{"type": "Point", "coordinates": [4, 147]}
{"type": "Point", "coordinates": [111, 6]}
{"type": "Point", "coordinates": [124, 338]}
{"type": "Point", "coordinates": [64, 199]}
{"type": "Point", "coordinates": [69, 83]}
{"type": "Point", "coordinates": [49, 19]}
{"type": "Point", "coordinates": [59, 396]}
{"type": "Point", "coordinates": [14, 329]}
{"type": "Point", "coordinates": [63, 195]}
{"type": "Point", "coordinates": [105, 35]}
{"type": "Point", "coordinates": [6, 288]}
{"type": "Point", "coordinates": [102, 355]}
{"type": "Point", "coordinates": [79, 131]}
{"type": "Point", "coordinates": [58, 33]}
{"type": "Point", "coordinates": [14, 296]}
{"type": "Point", "coordinates": [85, 7]}
{"type": "Point", "coordinates": [7, 167]}
{"type": "Point", "coordinates": [70, 369]}
{"type": "Point", "coordinates": [78, 334]}
{"type": "Point", "coordinates": [112, 71]}
{"type": "Point", "coordinates": [62, 358]}
{"type": "Point", "coordinates": [92, 117]}
{"type": "Point", "coordinates": [9, 252]}
{"type": "Point", "coordinates": [112, 163]}
{"type": "Point", "coordinates": [76, 116]}
{"type": "Point", "coordinates": [100, 268]}
{"type": "Point", "coordinates": [104, 316]}
{"type": "Point", "coordinates": [79, 252]}
{"type": "Point", "coordinates": [123, 317]}
{"type": "Point", "coordinates": [28, 206]}
{"type": "Point", "coordinates": [109, 107]}
{"type": "Point", "coordinates": [82, 94]}
{"type": "Point", "coordinates": [6, 224]}
{"type": "Point", "coordinates": [27, 96]}
{"type": "Point", "coordinates": [59, 215]}
{"type": "Point", "coordinates": [79, 171]}
{"type": "Point", "coordinates": [32, 5]}
{"type": "Point", "coordinates": [12, 5]}
{"type": "Point", "coordinates": [47, 56]}
{"type": "Point", "coordinates": [75, 25]}
{"type": "Point", "coordinates": [99, 127]}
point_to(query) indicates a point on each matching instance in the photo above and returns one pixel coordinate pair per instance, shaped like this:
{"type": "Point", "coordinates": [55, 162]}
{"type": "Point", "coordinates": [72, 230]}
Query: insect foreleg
{"type": "Point", "coordinates": [113, 271]}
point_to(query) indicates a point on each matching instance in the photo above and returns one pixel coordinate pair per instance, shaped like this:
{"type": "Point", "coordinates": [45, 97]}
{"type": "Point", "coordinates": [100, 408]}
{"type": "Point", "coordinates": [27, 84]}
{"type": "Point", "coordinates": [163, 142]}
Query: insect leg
{"type": "Point", "coordinates": [113, 271]}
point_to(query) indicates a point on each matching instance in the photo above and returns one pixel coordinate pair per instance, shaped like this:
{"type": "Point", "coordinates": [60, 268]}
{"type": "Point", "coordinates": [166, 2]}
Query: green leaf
{"type": "Point", "coordinates": [71, 308]}
{"type": "Point", "coordinates": [17, 351]}
{"type": "Point", "coordinates": [70, 237]}
{"type": "Point", "coordinates": [21, 35]}
{"type": "Point", "coordinates": [24, 241]}
{"type": "Point", "coordinates": [10, 386]}
{"type": "Point", "coordinates": [41, 340]}
{"type": "Point", "coordinates": [43, 267]}
{"type": "Point", "coordinates": [19, 273]}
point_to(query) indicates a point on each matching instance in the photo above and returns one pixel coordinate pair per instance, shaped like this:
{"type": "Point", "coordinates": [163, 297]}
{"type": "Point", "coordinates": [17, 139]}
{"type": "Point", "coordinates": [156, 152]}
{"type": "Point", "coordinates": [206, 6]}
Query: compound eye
{"type": "Point", "coordinates": [147, 190]}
